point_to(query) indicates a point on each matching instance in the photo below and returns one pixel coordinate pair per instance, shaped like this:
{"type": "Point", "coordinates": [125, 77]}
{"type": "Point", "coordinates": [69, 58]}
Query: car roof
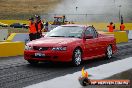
{"type": "Point", "coordinates": [58, 17]}
{"type": "Point", "coordinates": [75, 25]}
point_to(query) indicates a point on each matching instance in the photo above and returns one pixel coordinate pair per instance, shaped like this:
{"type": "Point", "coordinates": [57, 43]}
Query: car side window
{"type": "Point", "coordinates": [95, 32]}
{"type": "Point", "coordinates": [91, 30]}
{"type": "Point", "coordinates": [87, 32]}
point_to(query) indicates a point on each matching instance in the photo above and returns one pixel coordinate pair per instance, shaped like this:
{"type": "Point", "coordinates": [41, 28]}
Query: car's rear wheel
{"type": "Point", "coordinates": [32, 62]}
{"type": "Point", "coordinates": [109, 52]}
{"type": "Point", "coordinates": [77, 57]}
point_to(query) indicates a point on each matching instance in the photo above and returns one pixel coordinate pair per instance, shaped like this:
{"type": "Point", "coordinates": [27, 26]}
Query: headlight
{"type": "Point", "coordinates": [60, 48]}
{"type": "Point", "coordinates": [28, 47]}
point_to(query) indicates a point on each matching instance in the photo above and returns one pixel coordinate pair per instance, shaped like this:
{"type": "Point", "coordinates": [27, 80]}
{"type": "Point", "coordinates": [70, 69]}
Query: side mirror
{"type": "Point", "coordinates": [88, 36]}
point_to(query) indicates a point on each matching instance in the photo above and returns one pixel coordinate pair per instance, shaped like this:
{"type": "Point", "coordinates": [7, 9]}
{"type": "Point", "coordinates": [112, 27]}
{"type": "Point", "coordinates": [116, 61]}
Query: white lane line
{"type": "Point", "coordinates": [99, 72]}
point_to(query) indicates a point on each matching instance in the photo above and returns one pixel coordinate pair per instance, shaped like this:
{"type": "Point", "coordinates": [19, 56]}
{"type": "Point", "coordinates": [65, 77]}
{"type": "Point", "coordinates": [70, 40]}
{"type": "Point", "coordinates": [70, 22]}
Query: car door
{"type": "Point", "coordinates": [99, 43]}
{"type": "Point", "coordinates": [90, 44]}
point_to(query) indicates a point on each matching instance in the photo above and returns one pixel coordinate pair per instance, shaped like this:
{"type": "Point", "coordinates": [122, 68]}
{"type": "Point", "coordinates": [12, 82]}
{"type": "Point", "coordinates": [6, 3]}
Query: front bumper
{"type": "Point", "coordinates": [58, 56]}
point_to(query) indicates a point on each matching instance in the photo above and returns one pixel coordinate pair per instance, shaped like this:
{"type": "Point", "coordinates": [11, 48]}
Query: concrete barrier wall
{"type": "Point", "coordinates": [16, 47]}
{"type": "Point", "coordinates": [121, 36]}
{"type": "Point", "coordinates": [130, 34]}
{"type": "Point", "coordinates": [18, 37]}
{"type": "Point", "coordinates": [11, 49]}
{"type": "Point", "coordinates": [21, 37]}
{"type": "Point", "coordinates": [11, 37]}
{"type": "Point", "coordinates": [3, 34]}
{"type": "Point", "coordinates": [103, 26]}
{"type": "Point", "coordinates": [24, 37]}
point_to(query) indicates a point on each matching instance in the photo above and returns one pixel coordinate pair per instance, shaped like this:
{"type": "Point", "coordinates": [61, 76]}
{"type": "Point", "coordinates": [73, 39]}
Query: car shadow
{"type": "Point", "coordinates": [59, 65]}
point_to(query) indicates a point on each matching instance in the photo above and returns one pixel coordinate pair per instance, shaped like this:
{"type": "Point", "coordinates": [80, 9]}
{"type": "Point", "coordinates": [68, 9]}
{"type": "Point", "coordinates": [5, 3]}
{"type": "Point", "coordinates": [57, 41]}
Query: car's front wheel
{"type": "Point", "coordinates": [77, 57]}
{"type": "Point", "coordinates": [109, 52]}
{"type": "Point", "coordinates": [33, 62]}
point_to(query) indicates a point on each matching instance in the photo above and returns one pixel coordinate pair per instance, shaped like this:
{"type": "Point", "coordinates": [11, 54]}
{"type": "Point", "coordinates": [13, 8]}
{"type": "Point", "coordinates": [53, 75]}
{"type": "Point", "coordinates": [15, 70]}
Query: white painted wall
{"type": "Point", "coordinates": [24, 37]}
{"type": "Point", "coordinates": [130, 34]}
{"type": "Point", "coordinates": [3, 34]}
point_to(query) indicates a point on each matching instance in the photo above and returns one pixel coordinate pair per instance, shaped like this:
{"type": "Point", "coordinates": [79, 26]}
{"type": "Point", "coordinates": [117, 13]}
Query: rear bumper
{"type": "Point", "coordinates": [55, 56]}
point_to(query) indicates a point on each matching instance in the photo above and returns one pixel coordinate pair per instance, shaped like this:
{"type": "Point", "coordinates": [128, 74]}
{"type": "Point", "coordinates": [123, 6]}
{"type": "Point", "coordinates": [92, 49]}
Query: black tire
{"type": "Point", "coordinates": [77, 57]}
{"type": "Point", "coordinates": [32, 62]}
{"type": "Point", "coordinates": [109, 52]}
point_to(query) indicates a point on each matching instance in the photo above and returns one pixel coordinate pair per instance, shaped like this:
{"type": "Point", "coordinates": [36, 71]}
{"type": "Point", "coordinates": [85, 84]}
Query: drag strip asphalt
{"type": "Point", "coordinates": [99, 72]}
{"type": "Point", "coordinates": [15, 72]}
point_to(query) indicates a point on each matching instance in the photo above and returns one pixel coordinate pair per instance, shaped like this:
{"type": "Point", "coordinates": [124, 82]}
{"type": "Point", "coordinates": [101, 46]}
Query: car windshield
{"type": "Point", "coordinates": [66, 31]}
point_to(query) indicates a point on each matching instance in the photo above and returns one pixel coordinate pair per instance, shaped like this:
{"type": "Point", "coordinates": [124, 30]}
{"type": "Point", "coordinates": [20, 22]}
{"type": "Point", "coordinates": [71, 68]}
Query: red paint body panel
{"type": "Point", "coordinates": [91, 48]}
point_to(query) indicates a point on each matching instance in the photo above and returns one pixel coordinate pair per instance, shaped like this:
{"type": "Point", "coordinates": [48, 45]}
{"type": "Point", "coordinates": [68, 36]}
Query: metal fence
{"type": "Point", "coordinates": [83, 18]}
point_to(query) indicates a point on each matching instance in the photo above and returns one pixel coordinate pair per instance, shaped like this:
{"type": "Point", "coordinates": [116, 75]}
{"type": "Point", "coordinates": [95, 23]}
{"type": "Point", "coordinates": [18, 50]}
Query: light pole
{"type": "Point", "coordinates": [76, 8]}
{"type": "Point", "coordinates": [114, 1]}
{"type": "Point", "coordinates": [120, 12]}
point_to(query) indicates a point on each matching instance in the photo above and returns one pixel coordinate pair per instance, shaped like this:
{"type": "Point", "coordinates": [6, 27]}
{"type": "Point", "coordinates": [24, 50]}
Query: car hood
{"type": "Point", "coordinates": [52, 41]}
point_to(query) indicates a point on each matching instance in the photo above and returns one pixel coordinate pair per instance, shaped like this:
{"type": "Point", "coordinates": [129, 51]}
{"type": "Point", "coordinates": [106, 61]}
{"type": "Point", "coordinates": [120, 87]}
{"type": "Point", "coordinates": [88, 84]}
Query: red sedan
{"type": "Point", "coordinates": [70, 43]}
